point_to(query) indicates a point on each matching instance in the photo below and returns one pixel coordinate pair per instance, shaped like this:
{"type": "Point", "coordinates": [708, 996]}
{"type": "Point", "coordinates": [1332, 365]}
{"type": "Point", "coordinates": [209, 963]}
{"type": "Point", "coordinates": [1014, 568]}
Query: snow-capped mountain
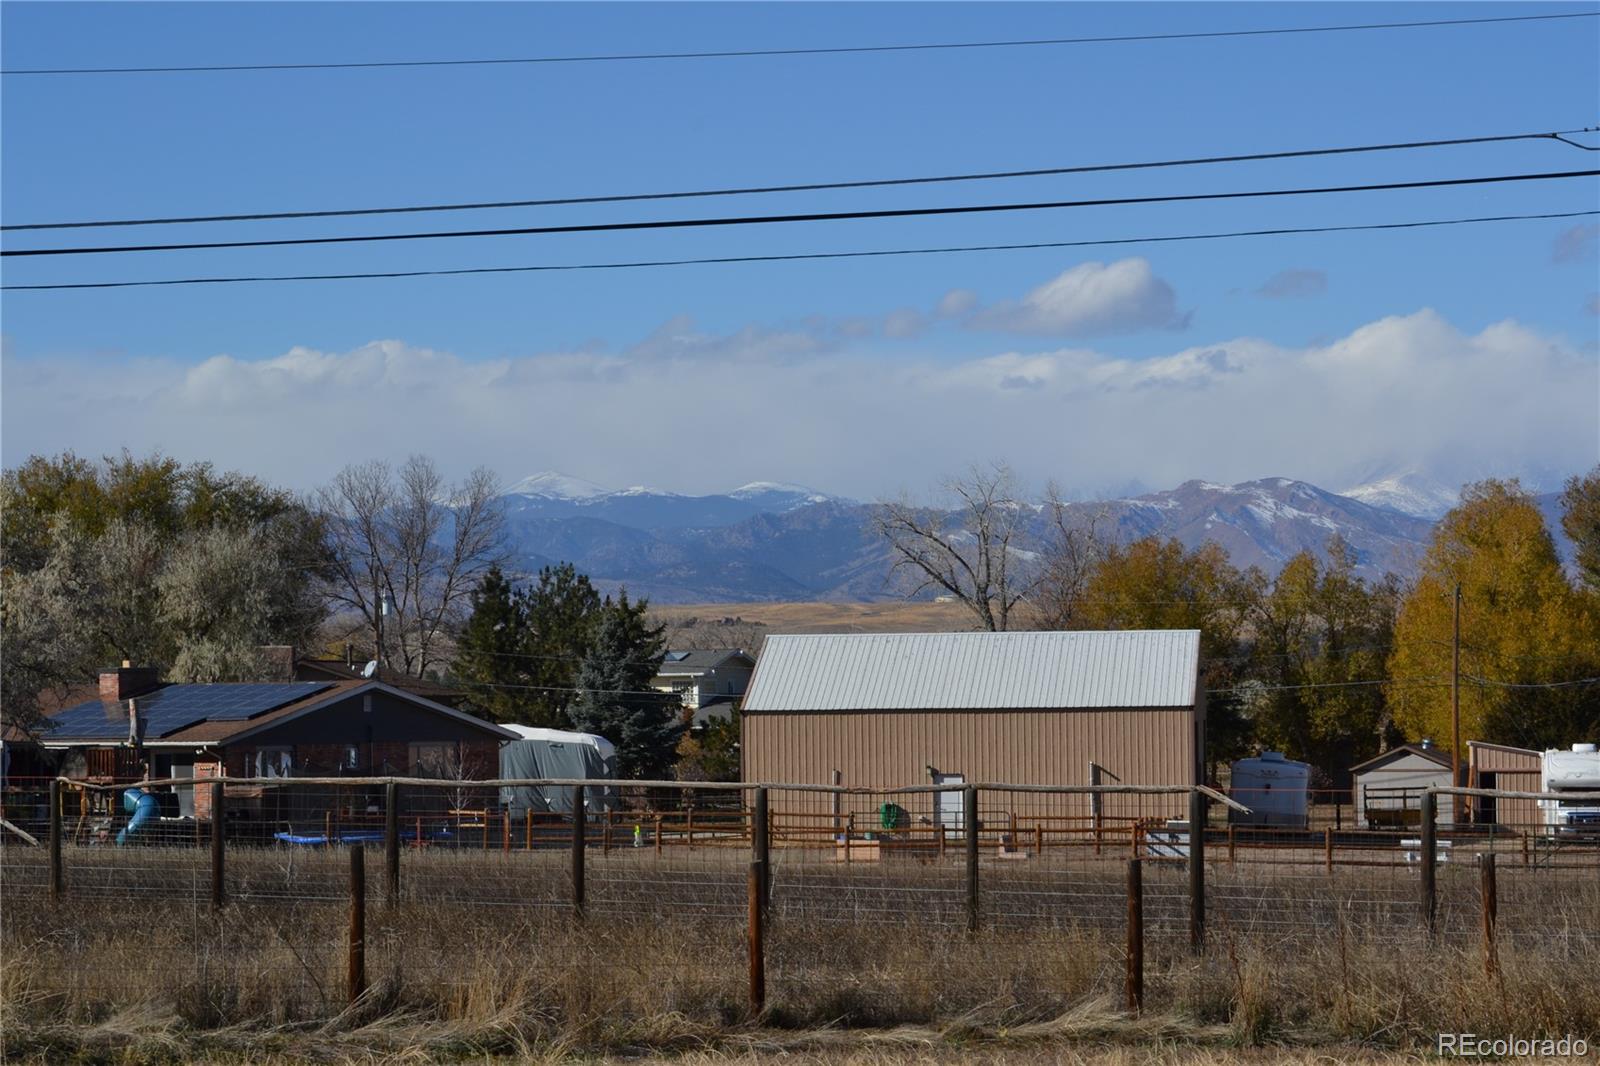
{"type": "Point", "coordinates": [550, 485]}
{"type": "Point", "coordinates": [773, 541]}
{"type": "Point", "coordinates": [1409, 493]}
{"type": "Point", "coordinates": [549, 495]}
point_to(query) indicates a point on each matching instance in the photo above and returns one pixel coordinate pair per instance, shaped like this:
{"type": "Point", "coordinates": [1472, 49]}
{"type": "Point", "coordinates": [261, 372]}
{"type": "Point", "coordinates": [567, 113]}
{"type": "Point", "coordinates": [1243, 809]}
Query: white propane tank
{"type": "Point", "coordinates": [1273, 787]}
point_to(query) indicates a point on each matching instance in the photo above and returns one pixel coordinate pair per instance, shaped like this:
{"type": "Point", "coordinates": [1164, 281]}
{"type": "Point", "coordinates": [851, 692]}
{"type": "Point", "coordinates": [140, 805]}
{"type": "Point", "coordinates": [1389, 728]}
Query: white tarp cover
{"type": "Point", "coordinates": [556, 753]}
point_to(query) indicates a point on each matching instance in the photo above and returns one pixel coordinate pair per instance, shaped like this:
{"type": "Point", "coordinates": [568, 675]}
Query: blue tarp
{"type": "Point", "coordinates": [354, 837]}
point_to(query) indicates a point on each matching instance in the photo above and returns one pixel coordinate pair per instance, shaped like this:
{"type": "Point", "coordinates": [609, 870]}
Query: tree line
{"type": "Point", "coordinates": [192, 570]}
{"type": "Point", "coordinates": [1316, 661]}
{"type": "Point", "coordinates": [195, 571]}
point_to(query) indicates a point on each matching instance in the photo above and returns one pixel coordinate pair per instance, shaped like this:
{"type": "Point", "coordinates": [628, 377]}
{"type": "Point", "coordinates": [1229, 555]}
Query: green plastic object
{"type": "Point", "coordinates": [892, 816]}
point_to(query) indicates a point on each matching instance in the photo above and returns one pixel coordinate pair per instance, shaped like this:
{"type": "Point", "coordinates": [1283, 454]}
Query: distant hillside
{"type": "Point", "coordinates": [770, 542]}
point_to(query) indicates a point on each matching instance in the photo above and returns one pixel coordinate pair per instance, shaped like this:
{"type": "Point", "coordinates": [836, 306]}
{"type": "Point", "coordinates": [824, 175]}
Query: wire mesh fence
{"type": "Point", "coordinates": [230, 875]}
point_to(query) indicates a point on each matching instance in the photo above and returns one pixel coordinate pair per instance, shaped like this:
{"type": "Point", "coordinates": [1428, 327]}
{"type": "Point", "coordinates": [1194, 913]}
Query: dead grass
{"type": "Point", "coordinates": [466, 969]}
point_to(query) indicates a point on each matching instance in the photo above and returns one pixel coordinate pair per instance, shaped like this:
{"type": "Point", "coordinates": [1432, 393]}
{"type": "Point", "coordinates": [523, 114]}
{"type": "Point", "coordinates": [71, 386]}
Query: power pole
{"type": "Point", "coordinates": [1455, 707]}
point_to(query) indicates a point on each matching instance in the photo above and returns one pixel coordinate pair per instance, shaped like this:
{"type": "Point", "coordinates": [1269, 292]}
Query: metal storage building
{"type": "Point", "coordinates": [883, 710]}
{"type": "Point", "coordinates": [1512, 769]}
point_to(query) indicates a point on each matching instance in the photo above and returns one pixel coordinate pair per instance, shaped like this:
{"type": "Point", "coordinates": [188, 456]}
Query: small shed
{"type": "Point", "coordinates": [1500, 766]}
{"type": "Point", "coordinates": [1388, 788]}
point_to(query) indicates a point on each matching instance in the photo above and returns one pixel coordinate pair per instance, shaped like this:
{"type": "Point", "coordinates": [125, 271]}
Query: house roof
{"type": "Point", "coordinates": [307, 668]}
{"type": "Point", "coordinates": [1432, 754]}
{"type": "Point", "coordinates": [678, 663]}
{"type": "Point", "coordinates": [976, 671]}
{"type": "Point", "coordinates": [197, 727]}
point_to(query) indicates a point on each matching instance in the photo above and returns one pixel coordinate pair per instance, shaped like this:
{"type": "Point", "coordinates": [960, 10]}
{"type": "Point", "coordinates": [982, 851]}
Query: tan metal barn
{"type": "Point", "coordinates": [883, 710]}
{"type": "Point", "coordinates": [1512, 769]}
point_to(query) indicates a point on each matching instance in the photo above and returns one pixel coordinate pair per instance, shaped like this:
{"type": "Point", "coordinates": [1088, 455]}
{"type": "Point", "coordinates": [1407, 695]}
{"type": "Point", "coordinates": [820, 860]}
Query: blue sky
{"type": "Point", "coordinates": [844, 374]}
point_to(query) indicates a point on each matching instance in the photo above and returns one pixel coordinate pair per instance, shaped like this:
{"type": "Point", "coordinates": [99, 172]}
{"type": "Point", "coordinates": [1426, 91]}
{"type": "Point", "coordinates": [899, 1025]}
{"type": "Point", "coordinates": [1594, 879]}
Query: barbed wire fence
{"type": "Point", "coordinates": [324, 881]}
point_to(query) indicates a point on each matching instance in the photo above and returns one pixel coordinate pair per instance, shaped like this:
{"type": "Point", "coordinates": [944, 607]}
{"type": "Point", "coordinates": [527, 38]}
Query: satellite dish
{"type": "Point", "coordinates": [370, 669]}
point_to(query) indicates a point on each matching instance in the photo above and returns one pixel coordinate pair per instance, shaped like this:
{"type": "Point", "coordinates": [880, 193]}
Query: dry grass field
{"type": "Point", "coordinates": [481, 961]}
{"type": "Point", "coordinates": [890, 616]}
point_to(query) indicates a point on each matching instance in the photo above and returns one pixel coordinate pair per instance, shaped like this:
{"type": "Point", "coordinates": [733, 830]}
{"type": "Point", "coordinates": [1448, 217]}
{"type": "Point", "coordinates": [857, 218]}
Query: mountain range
{"type": "Point", "coordinates": [771, 541]}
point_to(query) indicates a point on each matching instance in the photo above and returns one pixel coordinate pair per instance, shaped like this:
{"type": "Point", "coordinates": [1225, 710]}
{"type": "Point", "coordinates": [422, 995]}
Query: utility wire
{"type": "Point", "coordinates": [639, 264]}
{"type": "Point", "coordinates": [837, 50]}
{"type": "Point", "coordinates": [811, 187]}
{"type": "Point", "coordinates": [819, 216]}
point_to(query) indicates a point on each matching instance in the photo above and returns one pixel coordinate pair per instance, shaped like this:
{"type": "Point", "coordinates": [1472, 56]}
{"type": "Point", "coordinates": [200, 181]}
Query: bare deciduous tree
{"type": "Point", "coordinates": [1073, 546]}
{"type": "Point", "coordinates": [409, 540]}
{"type": "Point", "coordinates": [979, 555]}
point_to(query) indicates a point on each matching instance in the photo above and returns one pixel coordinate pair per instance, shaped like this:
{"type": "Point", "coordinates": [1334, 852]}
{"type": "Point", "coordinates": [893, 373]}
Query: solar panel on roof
{"type": "Point", "coordinates": [175, 707]}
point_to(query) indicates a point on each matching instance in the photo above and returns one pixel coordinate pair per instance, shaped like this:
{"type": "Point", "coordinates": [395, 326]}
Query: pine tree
{"type": "Point", "coordinates": [615, 700]}
{"type": "Point", "coordinates": [562, 612]}
{"type": "Point", "coordinates": [488, 654]}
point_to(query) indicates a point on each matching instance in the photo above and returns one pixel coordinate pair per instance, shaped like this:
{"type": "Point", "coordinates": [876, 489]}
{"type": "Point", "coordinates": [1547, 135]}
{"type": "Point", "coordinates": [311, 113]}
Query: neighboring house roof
{"type": "Point", "coordinates": [718, 709]}
{"type": "Point", "coordinates": [51, 701]}
{"type": "Point", "coordinates": [976, 671]}
{"type": "Point", "coordinates": [1379, 761]}
{"type": "Point", "coordinates": [681, 663]}
{"type": "Point", "coordinates": [227, 713]}
{"type": "Point", "coordinates": [307, 668]}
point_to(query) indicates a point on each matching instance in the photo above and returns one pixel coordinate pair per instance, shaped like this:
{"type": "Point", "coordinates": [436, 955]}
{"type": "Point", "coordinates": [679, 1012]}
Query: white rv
{"type": "Point", "coordinates": [1576, 771]}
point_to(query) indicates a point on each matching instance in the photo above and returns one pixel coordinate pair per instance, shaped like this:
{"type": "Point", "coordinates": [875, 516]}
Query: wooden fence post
{"type": "Point", "coordinates": [1197, 870]}
{"type": "Point", "coordinates": [57, 880]}
{"type": "Point", "coordinates": [1429, 861]}
{"type": "Point", "coordinates": [391, 840]}
{"type": "Point", "coordinates": [970, 814]}
{"type": "Point", "coordinates": [578, 819]}
{"type": "Point", "coordinates": [1491, 960]}
{"type": "Point", "coordinates": [1327, 850]}
{"type": "Point", "coordinates": [219, 842]}
{"type": "Point", "coordinates": [757, 949]}
{"type": "Point", "coordinates": [1133, 984]}
{"type": "Point", "coordinates": [761, 844]}
{"type": "Point", "coordinates": [356, 942]}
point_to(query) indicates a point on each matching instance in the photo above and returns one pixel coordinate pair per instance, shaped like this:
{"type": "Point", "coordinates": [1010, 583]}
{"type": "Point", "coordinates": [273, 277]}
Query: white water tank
{"type": "Point", "coordinates": [1273, 787]}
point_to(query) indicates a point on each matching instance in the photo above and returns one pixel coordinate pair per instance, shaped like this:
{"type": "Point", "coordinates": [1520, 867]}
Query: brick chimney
{"type": "Point", "coordinates": [127, 681]}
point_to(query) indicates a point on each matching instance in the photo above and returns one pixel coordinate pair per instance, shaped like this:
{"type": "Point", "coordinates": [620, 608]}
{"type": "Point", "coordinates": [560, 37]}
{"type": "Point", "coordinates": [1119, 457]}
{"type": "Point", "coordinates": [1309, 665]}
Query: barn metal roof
{"type": "Point", "coordinates": [976, 671]}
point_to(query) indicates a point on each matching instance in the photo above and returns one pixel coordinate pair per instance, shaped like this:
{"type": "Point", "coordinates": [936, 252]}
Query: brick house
{"type": "Point", "coordinates": [347, 728]}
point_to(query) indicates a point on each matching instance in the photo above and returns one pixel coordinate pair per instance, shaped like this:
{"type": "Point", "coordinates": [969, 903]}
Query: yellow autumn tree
{"type": "Point", "coordinates": [1529, 638]}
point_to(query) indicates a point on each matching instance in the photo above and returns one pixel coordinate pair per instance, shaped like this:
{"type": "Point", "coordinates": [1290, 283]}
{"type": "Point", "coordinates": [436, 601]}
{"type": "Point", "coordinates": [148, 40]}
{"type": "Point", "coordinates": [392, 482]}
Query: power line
{"type": "Point", "coordinates": [819, 216]}
{"type": "Point", "coordinates": [1535, 684]}
{"type": "Point", "coordinates": [836, 50]}
{"type": "Point", "coordinates": [488, 205]}
{"type": "Point", "coordinates": [640, 264]}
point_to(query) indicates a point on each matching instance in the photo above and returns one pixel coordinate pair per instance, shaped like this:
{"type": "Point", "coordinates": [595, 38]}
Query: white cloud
{"type": "Point", "coordinates": [956, 303]}
{"type": "Point", "coordinates": [1294, 284]}
{"type": "Point", "coordinates": [1090, 299]}
{"type": "Point", "coordinates": [692, 411]}
{"type": "Point", "coordinates": [903, 323]}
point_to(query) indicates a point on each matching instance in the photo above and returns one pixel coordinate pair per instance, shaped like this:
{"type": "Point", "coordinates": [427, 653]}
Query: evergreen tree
{"type": "Point", "coordinates": [562, 611]}
{"type": "Point", "coordinates": [615, 700]}
{"type": "Point", "coordinates": [489, 651]}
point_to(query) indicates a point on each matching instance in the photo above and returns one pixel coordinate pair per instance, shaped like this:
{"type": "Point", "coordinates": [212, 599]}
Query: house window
{"type": "Point", "coordinates": [274, 762]}
{"type": "Point", "coordinates": [436, 760]}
